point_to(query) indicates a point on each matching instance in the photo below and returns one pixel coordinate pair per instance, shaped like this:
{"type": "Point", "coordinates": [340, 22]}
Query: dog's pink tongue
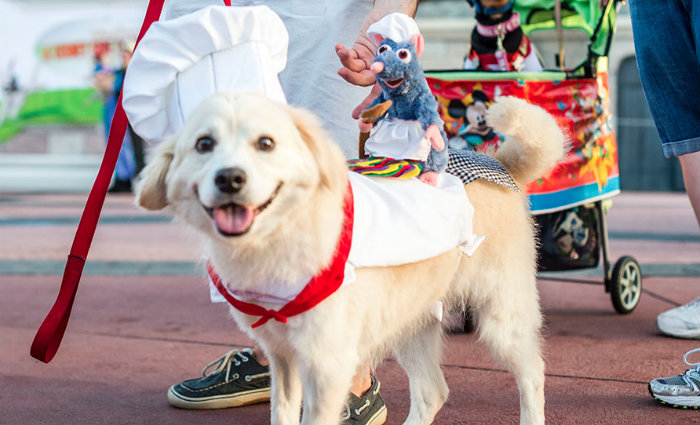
{"type": "Point", "coordinates": [233, 219]}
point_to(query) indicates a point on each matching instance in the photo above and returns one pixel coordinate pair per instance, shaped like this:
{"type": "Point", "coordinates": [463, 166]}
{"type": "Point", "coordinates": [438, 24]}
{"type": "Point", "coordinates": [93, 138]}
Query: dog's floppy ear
{"type": "Point", "coordinates": [329, 159]}
{"type": "Point", "coordinates": [151, 191]}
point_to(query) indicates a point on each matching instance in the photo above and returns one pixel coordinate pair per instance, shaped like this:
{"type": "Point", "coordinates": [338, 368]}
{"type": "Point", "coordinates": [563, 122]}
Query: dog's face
{"type": "Point", "coordinates": [240, 163]}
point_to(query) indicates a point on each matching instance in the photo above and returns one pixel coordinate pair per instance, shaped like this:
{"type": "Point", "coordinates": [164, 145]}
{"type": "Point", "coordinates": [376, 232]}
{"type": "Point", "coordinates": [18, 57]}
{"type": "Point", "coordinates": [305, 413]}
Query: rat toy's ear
{"type": "Point", "coordinates": [377, 38]}
{"type": "Point", "coordinates": [419, 42]}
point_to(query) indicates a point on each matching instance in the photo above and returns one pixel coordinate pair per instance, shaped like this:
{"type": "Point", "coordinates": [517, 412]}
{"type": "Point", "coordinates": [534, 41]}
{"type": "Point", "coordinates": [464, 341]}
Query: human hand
{"type": "Point", "coordinates": [376, 91]}
{"type": "Point", "coordinates": [356, 62]}
{"type": "Point", "coordinates": [104, 81]}
{"type": "Point", "coordinates": [365, 127]}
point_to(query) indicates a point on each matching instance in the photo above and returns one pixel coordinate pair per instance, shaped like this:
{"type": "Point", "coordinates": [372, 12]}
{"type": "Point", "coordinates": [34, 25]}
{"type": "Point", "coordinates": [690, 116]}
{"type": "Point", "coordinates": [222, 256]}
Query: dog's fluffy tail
{"type": "Point", "coordinates": [534, 142]}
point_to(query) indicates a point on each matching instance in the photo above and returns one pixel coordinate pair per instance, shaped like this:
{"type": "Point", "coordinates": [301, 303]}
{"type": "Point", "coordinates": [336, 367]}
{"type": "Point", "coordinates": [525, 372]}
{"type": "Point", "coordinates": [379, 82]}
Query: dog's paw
{"type": "Point", "coordinates": [504, 114]}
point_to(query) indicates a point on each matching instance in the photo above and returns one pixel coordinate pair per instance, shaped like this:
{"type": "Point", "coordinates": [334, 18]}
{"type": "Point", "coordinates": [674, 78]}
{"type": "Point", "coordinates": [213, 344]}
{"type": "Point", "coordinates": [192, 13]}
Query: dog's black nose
{"type": "Point", "coordinates": [230, 180]}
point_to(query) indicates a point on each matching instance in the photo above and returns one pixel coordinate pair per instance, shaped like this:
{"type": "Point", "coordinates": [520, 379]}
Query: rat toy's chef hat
{"type": "Point", "coordinates": [397, 27]}
{"type": "Point", "coordinates": [180, 62]}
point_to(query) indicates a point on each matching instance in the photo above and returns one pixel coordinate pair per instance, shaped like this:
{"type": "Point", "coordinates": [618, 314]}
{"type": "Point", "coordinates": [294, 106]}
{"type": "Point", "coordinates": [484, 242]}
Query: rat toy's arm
{"type": "Point", "coordinates": [435, 136]}
{"type": "Point", "coordinates": [427, 115]}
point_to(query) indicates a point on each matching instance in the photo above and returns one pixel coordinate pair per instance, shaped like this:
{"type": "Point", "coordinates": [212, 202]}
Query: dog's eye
{"type": "Point", "coordinates": [404, 55]}
{"type": "Point", "coordinates": [265, 144]}
{"type": "Point", "coordinates": [383, 49]}
{"type": "Point", "coordinates": [204, 144]}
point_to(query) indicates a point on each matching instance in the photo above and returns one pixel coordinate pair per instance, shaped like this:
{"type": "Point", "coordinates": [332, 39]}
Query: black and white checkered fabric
{"type": "Point", "coordinates": [470, 165]}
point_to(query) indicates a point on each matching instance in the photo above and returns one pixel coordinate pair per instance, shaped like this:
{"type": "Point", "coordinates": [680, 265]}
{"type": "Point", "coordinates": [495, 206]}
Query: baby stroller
{"type": "Point", "coordinates": [567, 202]}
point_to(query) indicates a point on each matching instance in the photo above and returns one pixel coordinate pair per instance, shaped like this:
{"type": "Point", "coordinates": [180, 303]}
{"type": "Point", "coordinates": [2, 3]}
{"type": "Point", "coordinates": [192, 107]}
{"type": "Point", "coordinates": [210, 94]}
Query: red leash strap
{"type": "Point", "coordinates": [319, 287]}
{"type": "Point", "coordinates": [48, 337]}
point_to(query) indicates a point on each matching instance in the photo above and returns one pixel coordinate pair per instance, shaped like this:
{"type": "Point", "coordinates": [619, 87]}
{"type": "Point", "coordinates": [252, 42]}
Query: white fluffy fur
{"type": "Point", "coordinates": [315, 355]}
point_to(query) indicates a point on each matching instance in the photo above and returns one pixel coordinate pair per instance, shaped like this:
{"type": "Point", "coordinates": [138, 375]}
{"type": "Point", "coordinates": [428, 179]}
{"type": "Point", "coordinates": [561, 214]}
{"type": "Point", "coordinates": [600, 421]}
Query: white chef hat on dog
{"type": "Point", "coordinates": [397, 27]}
{"type": "Point", "coordinates": [180, 62]}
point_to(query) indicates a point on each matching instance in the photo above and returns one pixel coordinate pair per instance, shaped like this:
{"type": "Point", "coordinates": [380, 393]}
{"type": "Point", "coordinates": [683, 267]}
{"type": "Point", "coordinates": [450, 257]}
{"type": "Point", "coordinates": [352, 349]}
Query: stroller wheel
{"type": "Point", "coordinates": [626, 285]}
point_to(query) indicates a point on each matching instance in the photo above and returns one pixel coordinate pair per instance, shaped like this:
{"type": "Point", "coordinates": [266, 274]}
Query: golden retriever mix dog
{"type": "Point", "coordinates": [264, 186]}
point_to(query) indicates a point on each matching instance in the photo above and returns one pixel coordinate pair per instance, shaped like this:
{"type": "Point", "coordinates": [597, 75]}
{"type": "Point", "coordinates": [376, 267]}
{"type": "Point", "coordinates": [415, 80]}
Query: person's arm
{"type": "Point", "coordinates": [357, 59]}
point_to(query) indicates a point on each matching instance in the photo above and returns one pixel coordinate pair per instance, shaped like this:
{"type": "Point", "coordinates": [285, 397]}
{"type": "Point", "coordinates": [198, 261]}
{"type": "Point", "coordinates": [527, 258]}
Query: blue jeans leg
{"type": "Point", "coordinates": [667, 44]}
{"type": "Point", "coordinates": [126, 162]}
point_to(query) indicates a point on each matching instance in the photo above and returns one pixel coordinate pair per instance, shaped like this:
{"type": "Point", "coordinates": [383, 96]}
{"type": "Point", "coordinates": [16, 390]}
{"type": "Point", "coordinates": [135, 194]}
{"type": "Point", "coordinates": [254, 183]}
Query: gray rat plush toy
{"type": "Point", "coordinates": [411, 129]}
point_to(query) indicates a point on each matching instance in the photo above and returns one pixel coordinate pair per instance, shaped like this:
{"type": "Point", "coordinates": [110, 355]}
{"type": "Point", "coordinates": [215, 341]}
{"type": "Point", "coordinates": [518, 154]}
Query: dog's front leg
{"type": "Point", "coordinates": [326, 383]}
{"type": "Point", "coordinates": [285, 401]}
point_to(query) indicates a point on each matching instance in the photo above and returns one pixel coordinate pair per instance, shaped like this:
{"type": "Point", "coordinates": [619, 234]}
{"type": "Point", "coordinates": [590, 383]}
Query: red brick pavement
{"type": "Point", "coordinates": [131, 337]}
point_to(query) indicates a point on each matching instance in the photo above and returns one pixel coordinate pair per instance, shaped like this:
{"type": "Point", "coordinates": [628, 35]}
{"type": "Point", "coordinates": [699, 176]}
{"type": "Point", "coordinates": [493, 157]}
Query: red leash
{"type": "Point", "coordinates": [48, 337]}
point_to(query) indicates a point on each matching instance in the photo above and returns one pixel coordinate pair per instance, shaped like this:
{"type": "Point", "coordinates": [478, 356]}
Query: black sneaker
{"type": "Point", "coordinates": [237, 380]}
{"type": "Point", "coordinates": [366, 410]}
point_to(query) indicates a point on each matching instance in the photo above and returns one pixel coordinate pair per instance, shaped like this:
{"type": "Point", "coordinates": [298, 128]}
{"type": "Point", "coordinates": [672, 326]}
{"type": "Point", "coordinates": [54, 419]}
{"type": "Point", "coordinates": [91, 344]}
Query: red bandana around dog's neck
{"type": "Point", "coordinates": [320, 287]}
